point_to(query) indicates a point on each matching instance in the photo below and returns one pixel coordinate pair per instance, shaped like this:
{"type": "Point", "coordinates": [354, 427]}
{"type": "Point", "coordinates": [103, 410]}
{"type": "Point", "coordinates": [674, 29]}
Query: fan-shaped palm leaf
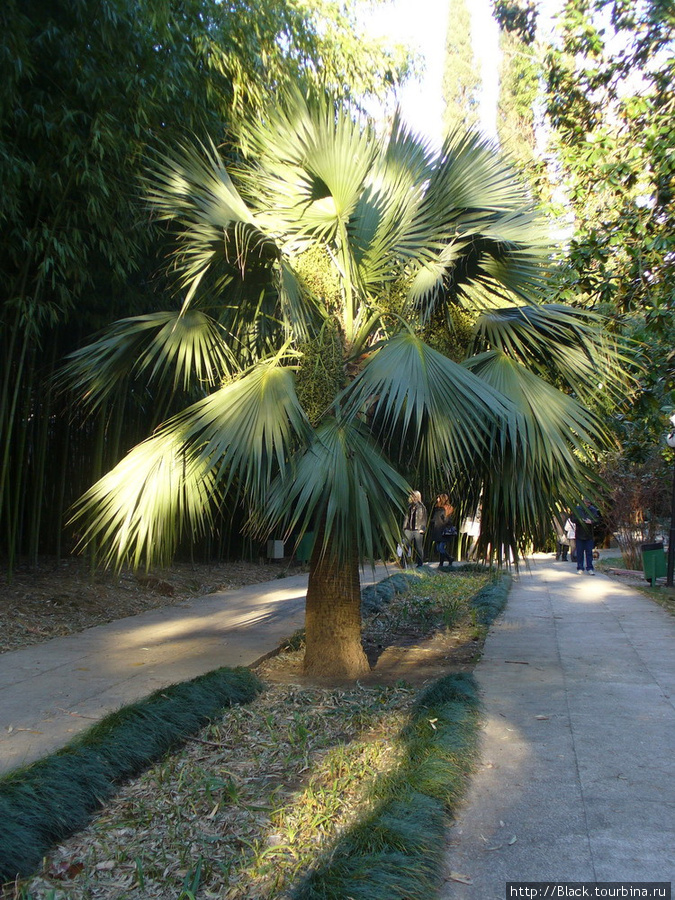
{"type": "Point", "coordinates": [139, 511]}
{"type": "Point", "coordinates": [226, 246]}
{"type": "Point", "coordinates": [523, 474]}
{"type": "Point", "coordinates": [245, 431]}
{"type": "Point", "coordinates": [343, 481]}
{"type": "Point", "coordinates": [553, 338]}
{"type": "Point", "coordinates": [416, 395]}
{"type": "Point", "coordinates": [193, 188]}
{"type": "Point", "coordinates": [550, 424]}
{"type": "Point", "coordinates": [184, 349]}
{"type": "Point", "coordinates": [310, 164]}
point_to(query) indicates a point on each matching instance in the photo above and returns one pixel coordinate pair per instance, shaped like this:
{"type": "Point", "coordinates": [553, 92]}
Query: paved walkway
{"type": "Point", "coordinates": [52, 691]}
{"type": "Point", "coordinates": [577, 776]}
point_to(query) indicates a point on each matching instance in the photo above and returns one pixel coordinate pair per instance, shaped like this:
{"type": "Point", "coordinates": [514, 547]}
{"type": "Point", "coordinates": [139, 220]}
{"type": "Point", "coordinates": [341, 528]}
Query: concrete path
{"type": "Point", "coordinates": [52, 691]}
{"type": "Point", "coordinates": [577, 776]}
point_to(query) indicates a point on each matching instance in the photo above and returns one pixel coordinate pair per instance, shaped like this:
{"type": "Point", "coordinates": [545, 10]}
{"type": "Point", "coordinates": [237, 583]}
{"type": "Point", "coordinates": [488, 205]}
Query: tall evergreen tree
{"type": "Point", "coordinates": [461, 79]}
{"type": "Point", "coordinates": [520, 75]}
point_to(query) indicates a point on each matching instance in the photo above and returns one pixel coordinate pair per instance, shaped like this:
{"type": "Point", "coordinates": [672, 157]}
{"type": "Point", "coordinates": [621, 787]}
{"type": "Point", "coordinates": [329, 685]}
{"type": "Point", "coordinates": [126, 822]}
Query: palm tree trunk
{"type": "Point", "coordinates": [333, 618]}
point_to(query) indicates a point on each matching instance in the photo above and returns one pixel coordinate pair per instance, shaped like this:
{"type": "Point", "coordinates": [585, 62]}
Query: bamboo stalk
{"type": "Point", "coordinates": [4, 468]}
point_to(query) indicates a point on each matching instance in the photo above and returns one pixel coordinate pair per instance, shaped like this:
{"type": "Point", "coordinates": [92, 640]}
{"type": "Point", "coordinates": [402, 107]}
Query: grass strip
{"type": "Point", "coordinates": [54, 797]}
{"type": "Point", "coordinates": [397, 850]}
{"type": "Point", "coordinates": [376, 596]}
{"type": "Point", "coordinates": [491, 600]}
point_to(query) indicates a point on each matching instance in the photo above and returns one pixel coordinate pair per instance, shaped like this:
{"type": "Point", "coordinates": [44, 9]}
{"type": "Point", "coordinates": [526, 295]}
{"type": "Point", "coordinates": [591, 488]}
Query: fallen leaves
{"type": "Point", "coordinates": [462, 879]}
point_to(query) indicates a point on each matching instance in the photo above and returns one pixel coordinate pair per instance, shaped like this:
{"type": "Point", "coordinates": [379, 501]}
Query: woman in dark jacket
{"type": "Point", "coordinates": [415, 524]}
{"type": "Point", "coordinates": [441, 523]}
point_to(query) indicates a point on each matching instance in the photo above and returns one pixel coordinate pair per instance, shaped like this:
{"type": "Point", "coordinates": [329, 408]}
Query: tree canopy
{"type": "Point", "coordinates": [91, 90]}
{"type": "Point", "coordinates": [611, 100]}
{"type": "Point", "coordinates": [607, 176]}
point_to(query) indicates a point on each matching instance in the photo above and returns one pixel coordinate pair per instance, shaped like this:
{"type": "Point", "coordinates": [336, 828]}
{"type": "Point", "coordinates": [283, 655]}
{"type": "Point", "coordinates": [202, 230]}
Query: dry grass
{"type": "Point", "coordinates": [243, 807]}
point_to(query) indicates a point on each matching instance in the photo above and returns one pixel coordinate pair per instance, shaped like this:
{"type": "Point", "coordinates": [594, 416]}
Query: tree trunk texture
{"type": "Point", "coordinates": [333, 619]}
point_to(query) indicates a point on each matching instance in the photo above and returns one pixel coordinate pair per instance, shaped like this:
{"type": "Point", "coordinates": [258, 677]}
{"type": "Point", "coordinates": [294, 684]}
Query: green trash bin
{"type": "Point", "coordinates": [304, 552]}
{"type": "Point", "coordinates": [653, 561]}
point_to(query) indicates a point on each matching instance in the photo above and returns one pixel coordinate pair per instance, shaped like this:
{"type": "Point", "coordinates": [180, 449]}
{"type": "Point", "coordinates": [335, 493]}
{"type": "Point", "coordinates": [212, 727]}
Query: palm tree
{"type": "Point", "coordinates": [310, 270]}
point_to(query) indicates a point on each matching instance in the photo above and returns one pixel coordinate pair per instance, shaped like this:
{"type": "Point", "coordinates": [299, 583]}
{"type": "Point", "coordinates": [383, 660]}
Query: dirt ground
{"type": "Point", "coordinates": [408, 655]}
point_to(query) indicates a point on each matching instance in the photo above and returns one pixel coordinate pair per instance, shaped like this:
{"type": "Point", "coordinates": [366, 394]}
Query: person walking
{"type": "Point", "coordinates": [471, 528]}
{"type": "Point", "coordinates": [442, 529]}
{"type": "Point", "coordinates": [562, 541]}
{"type": "Point", "coordinates": [571, 534]}
{"type": "Point", "coordinates": [414, 526]}
{"type": "Point", "coordinates": [585, 518]}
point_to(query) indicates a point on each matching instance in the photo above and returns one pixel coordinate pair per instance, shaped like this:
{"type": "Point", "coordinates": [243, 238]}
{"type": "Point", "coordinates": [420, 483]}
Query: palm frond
{"type": "Point", "coordinates": [311, 160]}
{"type": "Point", "coordinates": [427, 285]}
{"type": "Point", "coordinates": [551, 425]}
{"type": "Point", "coordinates": [416, 396]}
{"type": "Point", "coordinates": [525, 476]}
{"type": "Point", "coordinates": [186, 349]}
{"type": "Point", "coordinates": [387, 207]}
{"type": "Point", "coordinates": [475, 205]}
{"type": "Point", "coordinates": [139, 511]}
{"type": "Point", "coordinates": [193, 188]}
{"type": "Point", "coordinates": [343, 480]}
{"type": "Point", "coordinates": [555, 339]}
{"type": "Point", "coordinates": [166, 486]}
{"type": "Point", "coordinates": [246, 430]}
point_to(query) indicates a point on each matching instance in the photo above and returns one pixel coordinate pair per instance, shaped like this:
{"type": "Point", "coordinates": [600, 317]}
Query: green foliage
{"type": "Point", "coordinates": [519, 90]}
{"type": "Point", "coordinates": [458, 232]}
{"type": "Point", "coordinates": [641, 421]}
{"type": "Point", "coordinates": [491, 600]}
{"type": "Point", "coordinates": [54, 797]}
{"type": "Point", "coordinates": [398, 850]}
{"type": "Point", "coordinates": [611, 110]}
{"type": "Point", "coordinates": [92, 89]}
{"type": "Point", "coordinates": [610, 100]}
{"type": "Point", "coordinates": [518, 18]}
{"type": "Point", "coordinates": [461, 81]}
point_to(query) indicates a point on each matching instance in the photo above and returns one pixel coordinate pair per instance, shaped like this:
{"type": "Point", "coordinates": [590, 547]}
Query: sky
{"type": "Point", "coordinates": [423, 24]}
